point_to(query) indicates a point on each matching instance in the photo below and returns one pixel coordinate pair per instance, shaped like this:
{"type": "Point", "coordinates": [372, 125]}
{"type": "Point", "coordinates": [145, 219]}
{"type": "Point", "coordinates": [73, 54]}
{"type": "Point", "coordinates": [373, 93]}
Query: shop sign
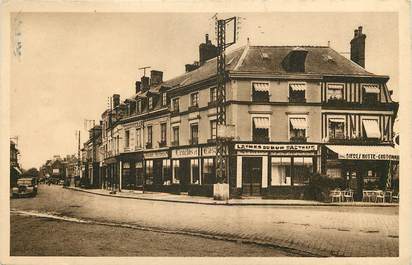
{"type": "Point", "coordinates": [186, 152]}
{"type": "Point", "coordinates": [368, 156]}
{"type": "Point", "coordinates": [153, 155]}
{"type": "Point", "coordinates": [277, 147]}
{"type": "Point", "coordinates": [209, 151]}
{"type": "Point", "coordinates": [251, 153]}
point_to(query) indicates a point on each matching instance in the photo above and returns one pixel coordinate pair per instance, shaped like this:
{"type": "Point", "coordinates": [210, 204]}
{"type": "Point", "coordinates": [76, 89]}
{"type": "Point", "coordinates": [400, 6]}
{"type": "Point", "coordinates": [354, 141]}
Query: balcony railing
{"type": "Point", "coordinates": [149, 145]}
{"type": "Point", "coordinates": [175, 143]}
{"type": "Point", "coordinates": [162, 144]}
{"type": "Point", "coordinates": [298, 139]}
{"type": "Point", "coordinates": [194, 141]}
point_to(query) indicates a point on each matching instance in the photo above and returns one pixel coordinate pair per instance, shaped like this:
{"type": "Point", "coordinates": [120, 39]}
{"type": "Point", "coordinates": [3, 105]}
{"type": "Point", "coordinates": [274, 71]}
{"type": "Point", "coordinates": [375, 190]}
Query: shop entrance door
{"type": "Point", "coordinates": [184, 174]}
{"type": "Point", "coordinates": [251, 176]}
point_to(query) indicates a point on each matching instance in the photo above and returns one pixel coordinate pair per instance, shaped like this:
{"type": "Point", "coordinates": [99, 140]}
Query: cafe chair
{"type": "Point", "coordinates": [379, 195]}
{"type": "Point", "coordinates": [348, 195]}
{"type": "Point", "coordinates": [366, 196]}
{"type": "Point", "coordinates": [335, 194]}
{"type": "Point", "coordinates": [395, 197]}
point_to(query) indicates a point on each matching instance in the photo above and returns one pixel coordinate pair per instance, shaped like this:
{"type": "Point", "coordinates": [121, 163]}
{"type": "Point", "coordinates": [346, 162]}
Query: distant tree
{"type": "Point", "coordinates": [32, 172]}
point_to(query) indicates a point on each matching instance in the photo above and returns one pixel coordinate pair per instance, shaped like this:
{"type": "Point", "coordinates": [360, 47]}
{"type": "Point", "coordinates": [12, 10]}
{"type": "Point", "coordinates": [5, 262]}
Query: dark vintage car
{"type": "Point", "coordinates": [26, 187]}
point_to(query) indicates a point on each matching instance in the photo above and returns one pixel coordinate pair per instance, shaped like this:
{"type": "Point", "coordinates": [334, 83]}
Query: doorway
{"type": "Point", "coordinates": [251, 176]}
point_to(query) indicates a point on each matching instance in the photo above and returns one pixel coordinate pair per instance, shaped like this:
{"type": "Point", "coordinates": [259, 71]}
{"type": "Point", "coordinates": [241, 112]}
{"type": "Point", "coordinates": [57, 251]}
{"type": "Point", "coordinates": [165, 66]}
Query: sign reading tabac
{"type": "Point", "coordinates": [277, 147]}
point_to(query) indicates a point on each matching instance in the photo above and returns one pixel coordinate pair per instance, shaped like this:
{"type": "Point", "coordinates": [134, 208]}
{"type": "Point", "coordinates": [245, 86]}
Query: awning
{"type": "Point", "coordinates": [337, 120]}
{"type": "Point", "coordinates": [367, 152]}
{"type": "Point", "coordinates": [262, 87]}
{"type": "Point", "coordinates": [299, 123]}
{"type": "Point", "coordinates": [18, 170]}
{"type": "Point", "coordinates": [298, 87]}
{"type": "Point", "coordinates": [335, 86]}
{"type": "Point", "coordinates": [261, 123]}
{"type": "Point", "coordinates": [372, 89]}
{"type": "Point", "coordinates": [371, 128]}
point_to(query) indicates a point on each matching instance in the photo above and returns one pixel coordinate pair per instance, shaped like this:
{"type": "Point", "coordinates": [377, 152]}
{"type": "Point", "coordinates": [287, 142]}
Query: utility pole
{"type": "Point", "coordinates": [222, 146]}
{"type": "Point", "coordinates": [78, 156]}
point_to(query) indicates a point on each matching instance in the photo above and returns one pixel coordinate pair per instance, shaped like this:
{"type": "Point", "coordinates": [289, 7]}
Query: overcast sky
{"type": "Point", "coordinates": [71, 62]}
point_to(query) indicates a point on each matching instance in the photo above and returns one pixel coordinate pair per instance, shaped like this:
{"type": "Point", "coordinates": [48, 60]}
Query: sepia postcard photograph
{"type": "Point", "coordinates": [172, 131]}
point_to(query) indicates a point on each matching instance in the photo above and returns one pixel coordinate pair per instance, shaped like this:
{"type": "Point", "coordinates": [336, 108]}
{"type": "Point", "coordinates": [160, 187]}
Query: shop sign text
{"type": "Point", "coordinates": [363, 156]}
{"type": "Point", "coordinates": [152, 155]}
{"type": "Point", "coordinates": [187, 152]}
{"type": "Point", "coordinates": [277, 147]}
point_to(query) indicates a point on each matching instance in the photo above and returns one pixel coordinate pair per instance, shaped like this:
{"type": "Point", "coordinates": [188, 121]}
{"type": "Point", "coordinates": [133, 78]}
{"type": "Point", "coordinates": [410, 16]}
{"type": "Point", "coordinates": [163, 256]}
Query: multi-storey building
{"type": "Point", "coordinates": [293, 110]}
{"type": "Point", "coordinates": [15, 171]}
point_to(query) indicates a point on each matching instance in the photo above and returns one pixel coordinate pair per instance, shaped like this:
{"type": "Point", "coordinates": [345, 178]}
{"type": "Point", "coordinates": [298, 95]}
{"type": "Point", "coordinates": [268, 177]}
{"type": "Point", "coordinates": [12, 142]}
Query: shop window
{"type": "Point", "coordinates": [175, 105]}
{"type": "Point", "coordinates": [297, 92]}
{"type": "Point", "coordinates": [335, 92]}
{"type": "Point", "coordinates": [213, 94]}
{"type": "Point", "coordinates": [281, 171]}
{"type": "Point", "coordinates": [297, 129]}
{"type": "Point", "coordinates": [176, 171]}
{"type": "Point", "coordinates": [370, 93]}
{"type": "Point", "coordinates": [336, 128]}
{"type": "Point", "coordinates": [149, 172]}
{"type": "Point", "coordinates": [371, 180]}
{"type": "Point", "coordinates": [302, 169]}
{"type": "Point", "coordinates": [175, 136]}
{"type": "Point", "coordinates": [260, 129]}
{"type": "Point", "coordinates": [128, 182]}
{"type": "Point", "coordinates": [334, 173]}
{"type": "Point", "coordinates": [208, 171]}
{"type": "Point", "coordinates": [139, 138]}
{"type": "Point", "coordinates": [194, 133]}
{"type": "Point", "coordinates": [194, 169]}
{"type": "Point", "coordinates": [127, 139]}
{"type": "Point", "coordinates": [213, 125]}
{"type": "Point", "coordinates": [163, 140]}
{"type": "Point", "coordinates": [166, 172]}
{"type": "Point", "coordinates": [260, 92]}
{"type": "Point", "coordinates": [194, 99]}
{"type": "Point", "coordinates": [139, 173]}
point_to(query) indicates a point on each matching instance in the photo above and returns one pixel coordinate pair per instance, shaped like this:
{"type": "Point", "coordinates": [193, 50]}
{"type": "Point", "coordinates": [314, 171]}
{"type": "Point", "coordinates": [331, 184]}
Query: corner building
{"type": "Point", "coordinates": [294, 110]}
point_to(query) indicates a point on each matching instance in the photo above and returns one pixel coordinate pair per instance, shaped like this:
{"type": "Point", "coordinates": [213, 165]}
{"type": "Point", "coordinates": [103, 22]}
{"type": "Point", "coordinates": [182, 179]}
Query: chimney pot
{"type": "Point", "coordinates": [138, 86]}
{"type": "Point", "coordinates": [145, 83]}
{"type": "Point", "coordinates": [116, 100]}
{"type": "Point", "coordinates": [207, 50]}
{"type": "Point", "coordinates": [357, 47]}
{"type": "Point", "coordinates": [156, 77]}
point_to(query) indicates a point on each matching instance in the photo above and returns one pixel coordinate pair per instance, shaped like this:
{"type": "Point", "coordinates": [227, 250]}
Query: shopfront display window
{"type": "Point", "coordinates": [281, 171]}
{"type": "Point", "coordinates": [302, 168]}
{"type": "Point", "coordinates": [166, 172]}
{"type": "Point", "coordinates": [149, 172]}
{"type": "Point", "coordinates": [194, 169]}
{"type": "Point", "coordinates": [176, 171]}
{"type": "Point", "coordinates": [208, 171]}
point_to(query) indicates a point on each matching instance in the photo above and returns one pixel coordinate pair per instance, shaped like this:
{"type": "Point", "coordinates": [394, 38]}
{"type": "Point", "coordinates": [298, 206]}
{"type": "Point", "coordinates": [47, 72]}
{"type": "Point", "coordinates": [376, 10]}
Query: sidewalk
{"type": "Point", "coordinates": [167, 197]}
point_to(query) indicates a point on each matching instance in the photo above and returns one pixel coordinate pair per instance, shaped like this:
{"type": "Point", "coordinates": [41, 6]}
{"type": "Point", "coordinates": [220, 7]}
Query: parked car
{"type": "Point", "coordinates": [25, 187]}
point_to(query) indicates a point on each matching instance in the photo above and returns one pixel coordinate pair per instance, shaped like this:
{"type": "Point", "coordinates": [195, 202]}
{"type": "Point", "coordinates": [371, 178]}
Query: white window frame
{"type": "Point", "coordinates": [173, 105]}
{"type": "Point", "coordinates": [327, 89]}
{"type": "Point", "coordinates": [190, 99]}
{"type": "Point", "coordinates": [340, 117]}
{"type": "Point", "coordinates": [191, 171]}
{"type": "Point", "coordinates": [150, 103]}
{"type": "Point", "coordinates": [173, 133]}
{"type": "Point", "coordinates": [298, 116]}
{"type": "Point", "coordinates": [297, 82]}
{"type": "Point", "coordinates": [139, 137]}
{"type": "Point", "coordinates": [164, 99]}
{"type": "Point", "coordinates": [260, 116]}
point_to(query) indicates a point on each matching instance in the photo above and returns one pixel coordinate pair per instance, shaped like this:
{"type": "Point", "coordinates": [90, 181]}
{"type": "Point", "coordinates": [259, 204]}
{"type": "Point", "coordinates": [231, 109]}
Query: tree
{"type": "Point", "coordinates": [32, 172]}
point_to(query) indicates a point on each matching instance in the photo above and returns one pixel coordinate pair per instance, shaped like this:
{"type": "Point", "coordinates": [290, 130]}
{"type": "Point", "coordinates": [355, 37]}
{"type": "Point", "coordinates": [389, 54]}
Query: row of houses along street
{"type": "Point", "coordinates": [294, 111]}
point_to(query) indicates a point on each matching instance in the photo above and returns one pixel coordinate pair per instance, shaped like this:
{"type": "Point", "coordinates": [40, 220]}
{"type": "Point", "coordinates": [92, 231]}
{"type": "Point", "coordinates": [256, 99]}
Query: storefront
{"type": "Point", "coordinates": [112, 171]}
{"type": "Point", "coordinates": [361, 167]}
{"type": "Point", "coordinates": [157, 170]}
{"type": "Point", "coordinates": [131, 170]}
{"type": "Point", "coordinates": [186, 170]}
{"type": "Point", "coordinates": [274, 170]}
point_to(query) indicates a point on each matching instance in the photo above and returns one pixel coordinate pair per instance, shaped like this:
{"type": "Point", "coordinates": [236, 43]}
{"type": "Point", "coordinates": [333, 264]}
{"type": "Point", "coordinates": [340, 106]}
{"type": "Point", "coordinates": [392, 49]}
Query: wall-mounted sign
{"type": "Point", "coordinates": [277, 147]}
{"type": "Point", "coordinates": [368, 156]}
{"type": "Point", "coordinates": [186, 152]}
{"type": "Point", "coordinates": [157, 154]}
{"type": "Point", "coordinates": [209, 151]}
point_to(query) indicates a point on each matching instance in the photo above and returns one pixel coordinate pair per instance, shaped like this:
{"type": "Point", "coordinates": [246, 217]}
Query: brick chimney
{"type": "Point", "coordinates": [138, 85]}
{"type": "Point", "coordinates": [190, 67]}
{"type": "Point", "coordinates": [207, 50]}
{"type": "Point", "coordinates": [145, 83]}
{"type": "Point", "coordinates": [156, 77]}
{"type": "Point", "coordinates": [357, 47]}
{"type": "Point", "coordinates": [116, 100]}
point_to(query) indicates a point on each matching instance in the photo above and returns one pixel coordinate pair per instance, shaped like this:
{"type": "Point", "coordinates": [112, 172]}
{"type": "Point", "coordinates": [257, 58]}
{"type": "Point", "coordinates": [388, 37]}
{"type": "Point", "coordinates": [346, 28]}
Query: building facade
{"type": "Point", "coordinates": [293, 111]}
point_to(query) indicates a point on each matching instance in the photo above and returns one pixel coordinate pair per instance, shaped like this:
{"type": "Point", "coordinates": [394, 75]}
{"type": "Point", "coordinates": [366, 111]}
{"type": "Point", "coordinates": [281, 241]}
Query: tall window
{"type": "Point", "coordinates": [138, 138]}
{"type": "Point", "coordinates": [335, 92]}
{"type": "Point", "coordinates": [175, 104]}
{"type": "Point", "coordinates": [208, 170]}
{"type": "Point", "coordinates": [149, 136]}
{"type": "Point", "coordinates": [281, 171]}
{"type": "Point", "coordinates": [127, 139]}
{"type": "Point", "coordinates": [163, 133]}
{"type": "Point", "coordinates": [297, 92]}
{"type": "Point", "coordinates": [194, 99]}
{"type": "Point", "coordinates": [176, 135]}
{"type": "Point", "coordinates": [297, 129]}
{"type": "Point", "coordinates": [164, 99]}
{"type": "Point", "coordinates": [194, 131]}
{"type": "Point", "coordinates": [260, 91]}
{"type": "Point", "coordinates": [176, 171]}
{"type": "Point", "coordinates": [150, 103]}
{"type": "Point", "coordinates": [302, 168]}
{"type": "Point", "coordinates": [336, 128]}
{"type": "Point", "coordinates": [194, 166]}
{"type": "Point", "coordinates": [260, 129]}
{"type": "Point", "coordinates": [213, 94]}
{"type": "Point", "coordinates": [213, 125]}
{"type": "Point", "coordinates": [166, 172]}
{"type": "Point", "coordinates": [149, 172]}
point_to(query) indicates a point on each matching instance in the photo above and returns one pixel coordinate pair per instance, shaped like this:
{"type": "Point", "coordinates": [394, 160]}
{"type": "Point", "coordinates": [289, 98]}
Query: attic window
{"type": "Point", "coordinates": [295, 60]}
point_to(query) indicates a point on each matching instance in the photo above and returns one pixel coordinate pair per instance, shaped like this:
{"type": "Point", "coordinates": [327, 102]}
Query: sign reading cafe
{"type": "Point", "coordinates": [277, 147]}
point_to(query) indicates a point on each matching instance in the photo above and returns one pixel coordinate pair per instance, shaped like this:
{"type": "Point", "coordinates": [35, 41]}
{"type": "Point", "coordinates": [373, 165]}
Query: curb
{"type": "Point", "coordinates": [217, 203]}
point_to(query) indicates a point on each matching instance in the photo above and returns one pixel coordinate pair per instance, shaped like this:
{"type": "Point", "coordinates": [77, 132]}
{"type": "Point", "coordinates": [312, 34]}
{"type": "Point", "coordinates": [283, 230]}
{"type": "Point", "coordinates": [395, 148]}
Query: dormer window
{"type": "Point", "coordinates": [150, 103]}
{"type": "Point", "coordinates": [297, 92]}
{"type": "Point", "coordinates": [370, 93]}
{"type": "Point", "coordinates": [260, 91]}
{"type": "Point", "coordinates": [335, 92]}
{"type": "Point", "coordinates": [295, 60]}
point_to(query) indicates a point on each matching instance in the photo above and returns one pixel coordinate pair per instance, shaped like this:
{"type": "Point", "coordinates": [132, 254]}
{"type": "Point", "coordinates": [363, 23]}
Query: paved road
{"type": "Point", "coordinates": [328, 231]}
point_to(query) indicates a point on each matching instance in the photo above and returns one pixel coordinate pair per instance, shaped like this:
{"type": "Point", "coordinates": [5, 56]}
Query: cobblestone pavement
{"type": "Point", "coordinates": [323, 231]}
